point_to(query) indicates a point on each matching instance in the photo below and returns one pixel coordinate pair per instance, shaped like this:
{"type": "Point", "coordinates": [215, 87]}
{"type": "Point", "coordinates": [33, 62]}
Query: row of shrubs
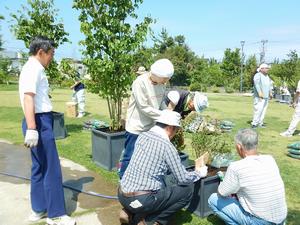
{"type": "Point", "coordinates": [214, 89]}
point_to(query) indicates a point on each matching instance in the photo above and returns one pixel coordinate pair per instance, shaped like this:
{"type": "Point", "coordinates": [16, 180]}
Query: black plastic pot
{"type": "Point", "coordinates": [107, 148]}
{"type": "Point", "coordinates": [202, 191]}
{"type": "Point", "coordinates": [184, 159]}
{"type": "Point", "coordinates": [59, 128]}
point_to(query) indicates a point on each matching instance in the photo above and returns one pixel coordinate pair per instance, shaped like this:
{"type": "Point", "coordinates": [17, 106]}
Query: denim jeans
{"type": "Point", "coordinates": [231, 212]}
{"type": "Point", "coordinates": [128, 151]}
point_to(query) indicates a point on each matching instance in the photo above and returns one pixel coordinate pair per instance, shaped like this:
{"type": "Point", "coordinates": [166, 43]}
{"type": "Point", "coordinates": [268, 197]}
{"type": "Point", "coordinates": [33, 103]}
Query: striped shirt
{"type": "Point", "coordinates": [257, 182]}
{"type": "Point", "coordinates": [153, 156]}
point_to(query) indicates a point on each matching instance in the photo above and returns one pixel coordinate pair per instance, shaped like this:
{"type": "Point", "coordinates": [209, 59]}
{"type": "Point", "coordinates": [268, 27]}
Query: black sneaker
{"type": "Point", "coordinates": [254, 126]}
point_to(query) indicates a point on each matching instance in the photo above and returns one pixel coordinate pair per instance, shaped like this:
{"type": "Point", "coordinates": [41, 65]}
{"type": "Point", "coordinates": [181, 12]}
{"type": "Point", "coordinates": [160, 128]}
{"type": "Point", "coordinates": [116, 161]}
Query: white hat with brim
{"type": "Point", "coordinates": [141, 70]}
{"type": "Point", "coordinates": [200, 101]}
{"type": "Point", "coordinates": [162, 68]}
{"type": "Point", "coordinates": [263, 66]}
{"type": "Point", "coordinates": [170, 118]}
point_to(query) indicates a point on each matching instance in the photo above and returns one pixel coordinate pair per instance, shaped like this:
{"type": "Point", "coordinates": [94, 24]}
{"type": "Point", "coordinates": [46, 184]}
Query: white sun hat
{"type": "Point", "coordinates": [162, 68]}
{"type": "Point", "coordinates": [200, 101]}
{"type": "Point", "coordinates": [170, 117]}
{"type": "Point", "coordinates": [263, 66]}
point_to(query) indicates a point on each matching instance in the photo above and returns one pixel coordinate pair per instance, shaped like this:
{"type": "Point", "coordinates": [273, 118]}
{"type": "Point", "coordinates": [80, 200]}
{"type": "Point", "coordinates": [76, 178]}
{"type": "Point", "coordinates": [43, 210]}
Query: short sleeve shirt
{"type": "Point", "coordinates": [33, 80]}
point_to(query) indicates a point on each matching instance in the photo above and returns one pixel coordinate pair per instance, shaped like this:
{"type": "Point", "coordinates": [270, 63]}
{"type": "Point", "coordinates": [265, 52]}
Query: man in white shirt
{"type": "Point", "coordinates": [252, 191]}
{"type": "Point", "coordinates": [147, 93]}
{"type": "Point", "coordinates": [47, 195]}
{"type": "Point", "coordinates": [262, 94]}
{"type": "Point", "coordinates": [296, 117]}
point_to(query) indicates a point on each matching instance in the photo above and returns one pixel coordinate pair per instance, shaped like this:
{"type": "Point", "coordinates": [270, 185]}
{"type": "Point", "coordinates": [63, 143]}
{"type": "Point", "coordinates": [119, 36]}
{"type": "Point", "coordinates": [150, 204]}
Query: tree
{"type": "Point", "coordinates": [231, 64]}
{"type": "Point", "coordinates": [40, 18]}
{"type": "Point", "coordinates": [110, 42]}
{"type": "Point", "coordinates": [249, 72]}
{"type": "Point", "coordinates": [5, 63]}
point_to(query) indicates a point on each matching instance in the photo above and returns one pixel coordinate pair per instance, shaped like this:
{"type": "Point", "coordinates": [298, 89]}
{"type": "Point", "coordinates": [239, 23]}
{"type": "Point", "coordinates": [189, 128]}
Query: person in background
{"type": "Point", "coordinates": [142, 191]}
{"type": "Point", "coordinates": [296, 117]}
{"type": "Point", "coordinates": [262, 94]}
{"type": "Point", "coordinates": [184, 102]}
{"type": "Point", "coordinates": [79, 95]}
{"type": "Point", "coordinates": [252, 191]}
{"type": "Point", "coordinates": [147, 93]}
{"type": "Point", "coordinates": [47, 195]}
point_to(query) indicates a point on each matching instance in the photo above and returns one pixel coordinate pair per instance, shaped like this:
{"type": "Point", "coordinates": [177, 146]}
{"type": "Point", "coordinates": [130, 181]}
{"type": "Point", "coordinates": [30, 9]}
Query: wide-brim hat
{"type": "Point", "coordinates": [200, 101]}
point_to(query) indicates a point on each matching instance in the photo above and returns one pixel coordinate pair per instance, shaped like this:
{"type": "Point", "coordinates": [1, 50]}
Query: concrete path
{"type": "Point", "coordinates": [14, 192]}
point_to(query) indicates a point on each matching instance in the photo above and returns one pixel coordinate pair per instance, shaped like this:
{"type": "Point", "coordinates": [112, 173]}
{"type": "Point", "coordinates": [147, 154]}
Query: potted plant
{"type": "Point", "coordinates": [215, 145]}
{"type": "Point", "coordinates": [40, 18]}
{"type": "Point", "coordinates": [109, 44]}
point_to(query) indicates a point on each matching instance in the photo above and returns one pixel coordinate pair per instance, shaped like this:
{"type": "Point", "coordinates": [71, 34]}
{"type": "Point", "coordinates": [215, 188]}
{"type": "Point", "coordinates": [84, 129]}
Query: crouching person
{"type": "Point", "coordinates": [252, 191]}
{"type": "Point", "coordinates": [142, 192]}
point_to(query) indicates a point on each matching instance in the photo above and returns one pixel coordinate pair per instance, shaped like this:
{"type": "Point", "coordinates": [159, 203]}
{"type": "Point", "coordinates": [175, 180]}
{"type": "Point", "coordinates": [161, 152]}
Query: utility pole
{"type": "Point", "coordinates": [242, 64]}
{"type": "Point", "coordinates": [262, 54]}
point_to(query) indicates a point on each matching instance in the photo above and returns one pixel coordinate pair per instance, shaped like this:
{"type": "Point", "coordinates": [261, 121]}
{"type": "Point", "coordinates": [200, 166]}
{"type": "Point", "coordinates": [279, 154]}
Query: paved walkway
{"type": "Point", "coordinates": [14, 192]}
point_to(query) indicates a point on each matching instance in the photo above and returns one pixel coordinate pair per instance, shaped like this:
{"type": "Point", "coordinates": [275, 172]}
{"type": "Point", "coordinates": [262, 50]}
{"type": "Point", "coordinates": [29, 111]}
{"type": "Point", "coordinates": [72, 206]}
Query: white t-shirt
{"type": "Point", "coordinates": [144, 104]}
{"type": "Point", "coordinates": [298, 90]}
{"type": "Point", "coordinates": [260, 190]}
{"type": "Point", "coordinates": [33, 80]}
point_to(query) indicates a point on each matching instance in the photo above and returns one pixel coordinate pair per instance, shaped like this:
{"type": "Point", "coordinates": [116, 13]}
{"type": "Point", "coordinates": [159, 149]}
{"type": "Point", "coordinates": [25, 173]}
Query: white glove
{"type": "Point", "coordinates": [31, 138]}
{"type": "Point", "coordinates": [202, 171]}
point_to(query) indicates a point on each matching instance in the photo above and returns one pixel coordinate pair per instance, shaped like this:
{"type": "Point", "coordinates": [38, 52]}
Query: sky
{"type": "Point", "coordinates": [209, 26]}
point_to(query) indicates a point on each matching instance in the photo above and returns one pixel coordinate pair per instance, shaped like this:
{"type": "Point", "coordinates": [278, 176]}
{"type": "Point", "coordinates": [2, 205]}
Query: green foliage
{"type": "Point", "coordinates": [110, 41]}
{"type": "Point", "coordinates": [40, 18]}
{"type": "Point", "coordinates": [198, 87]}
{"type": "Point", "coordinates": [178, 140]}
{"type": "Point", "coordinates": [229, 89]}
{"type": "Point", "coordinates": [5, 64]}
{"type": "Point", "coordinates": [231, 64]}
{"type": "Point", "coordinates": [215, 89]}
{"type": "Point", "coordinates": [214, 144]}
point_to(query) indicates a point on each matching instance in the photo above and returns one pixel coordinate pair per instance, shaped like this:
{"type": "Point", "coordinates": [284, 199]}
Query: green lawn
{"type": "Point", "coordinates": [77, 146]}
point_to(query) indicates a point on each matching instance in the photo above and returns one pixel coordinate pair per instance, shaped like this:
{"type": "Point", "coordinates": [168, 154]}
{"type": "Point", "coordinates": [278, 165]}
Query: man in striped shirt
{"type": "Point", "coordinates": [142, 191]}
{"type": "Point", "coordinates": [252, 191]}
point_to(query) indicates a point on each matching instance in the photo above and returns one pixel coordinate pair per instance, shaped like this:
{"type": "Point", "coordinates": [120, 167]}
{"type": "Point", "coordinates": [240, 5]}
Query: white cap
{"type": "Point", "coordinates": [262, 66]}
{"type": "Point", "coordinates": [170, 118]}
{"type": "Point", "coordinates": [162, 68]}
{"type": "Point", "coordinates": [200, 101]}
{"type": "Point", "coordinates": [174, 97]}
{"type": "Point", "coordinates": [141, 70]}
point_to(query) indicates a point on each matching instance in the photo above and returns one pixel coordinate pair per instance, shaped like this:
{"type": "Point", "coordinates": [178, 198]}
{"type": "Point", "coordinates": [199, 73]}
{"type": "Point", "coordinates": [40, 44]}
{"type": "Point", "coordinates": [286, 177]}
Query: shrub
{"type": "Point", "coordinates": [215, 89]}
{"type": "Point", "coordinates": [229, 89]}
{"type": "Point", "coordinates": [198, 87]}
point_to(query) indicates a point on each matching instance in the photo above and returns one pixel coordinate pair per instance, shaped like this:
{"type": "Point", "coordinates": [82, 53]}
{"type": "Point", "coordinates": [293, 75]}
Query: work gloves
{"type": "Point", "coordinates": [31, 138]}
{"type": "Point", "coordinates": [202, 171]}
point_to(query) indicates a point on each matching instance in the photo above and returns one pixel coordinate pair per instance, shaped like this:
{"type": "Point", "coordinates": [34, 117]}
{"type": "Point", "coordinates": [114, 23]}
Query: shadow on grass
{"type": "Point", "coordinates": [293, 217]}
{"type": "Point", "coordinates": [215, 220]}
{"type": "Point", "coordinates": [180, 218]}
{"type": "Point", "coordinates": [74, 128]}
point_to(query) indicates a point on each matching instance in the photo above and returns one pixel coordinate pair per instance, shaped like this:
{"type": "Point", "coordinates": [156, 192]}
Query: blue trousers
{"type": "Point", "coordinates": [46, 192]}
{"type": "Point", "coordinates": [128, 151]}
{"type": "Point", "coordinates": [231, 212]}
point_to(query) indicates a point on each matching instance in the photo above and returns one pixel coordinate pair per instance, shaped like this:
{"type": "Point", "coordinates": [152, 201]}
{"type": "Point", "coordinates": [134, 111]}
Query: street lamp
{"type": "Point", "coordinates": [242, 64]}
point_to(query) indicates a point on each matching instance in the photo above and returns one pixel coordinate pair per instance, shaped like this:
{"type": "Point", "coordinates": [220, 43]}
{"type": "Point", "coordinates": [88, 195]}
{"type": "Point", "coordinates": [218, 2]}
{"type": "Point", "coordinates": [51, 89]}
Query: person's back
{"type": "Point", "coordinates": [260, 187]}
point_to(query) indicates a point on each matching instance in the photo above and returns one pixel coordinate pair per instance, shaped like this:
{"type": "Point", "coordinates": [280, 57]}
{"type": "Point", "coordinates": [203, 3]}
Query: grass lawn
{"type": "Point", "coordinates": [77, 146]}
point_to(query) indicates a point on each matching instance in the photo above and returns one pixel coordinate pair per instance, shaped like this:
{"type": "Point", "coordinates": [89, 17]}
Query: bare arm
{"type": "Point", "coordinates": [29, 110]}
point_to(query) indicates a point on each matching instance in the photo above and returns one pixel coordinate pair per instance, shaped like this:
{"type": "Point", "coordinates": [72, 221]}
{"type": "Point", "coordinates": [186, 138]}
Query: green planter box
{"type": "Point", "coordinates": [107, 148]}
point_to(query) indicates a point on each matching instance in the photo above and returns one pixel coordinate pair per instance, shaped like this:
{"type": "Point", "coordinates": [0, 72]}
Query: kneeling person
{"type": "Point", "coordinates": [142, 191]}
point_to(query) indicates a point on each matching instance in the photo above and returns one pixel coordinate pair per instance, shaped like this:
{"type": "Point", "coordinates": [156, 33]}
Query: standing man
{"type": "Point", "coordinates": [147, 93]}
{"type": "Point", "coordinates": [142, 191]}
{"type": "Point", "coordinates": [79, 95]}
{"type": "Point", "coordinates": [262, 94]}
{"type": "Point", "coordinates": [184, 102]}
{"type": "Point", "coordinates": [296, 117]}
{"type": "Point", "coordinates": [252, 191]}
{"type": "Point", "coordinates": [47, 195]}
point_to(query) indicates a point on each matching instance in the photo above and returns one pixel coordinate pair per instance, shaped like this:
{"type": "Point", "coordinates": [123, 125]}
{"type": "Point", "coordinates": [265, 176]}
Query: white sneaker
{"type": "Point", "coordinates": [286, 134]}
{"type": "Point", "coordinates": [34, 216]}
{"type": "Point", "coordinates": [62, 220]}
{"type": "Point", "coordinates": [80, 115]}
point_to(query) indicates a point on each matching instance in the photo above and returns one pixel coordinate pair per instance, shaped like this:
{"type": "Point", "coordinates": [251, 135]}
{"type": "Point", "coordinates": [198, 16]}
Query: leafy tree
{"type": "Point", "coordinates": [230, 66]}
{"type": "Point", "coordinates": [143, 57]}
{"type": "Point", "coordinates": [40, 18]}
{"type": "Point", "coordinates": [110, 41]}
{"type": "Point", "coordinates": [5, 63]}
{"type": "Point", "coordinates": [249, 72]}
